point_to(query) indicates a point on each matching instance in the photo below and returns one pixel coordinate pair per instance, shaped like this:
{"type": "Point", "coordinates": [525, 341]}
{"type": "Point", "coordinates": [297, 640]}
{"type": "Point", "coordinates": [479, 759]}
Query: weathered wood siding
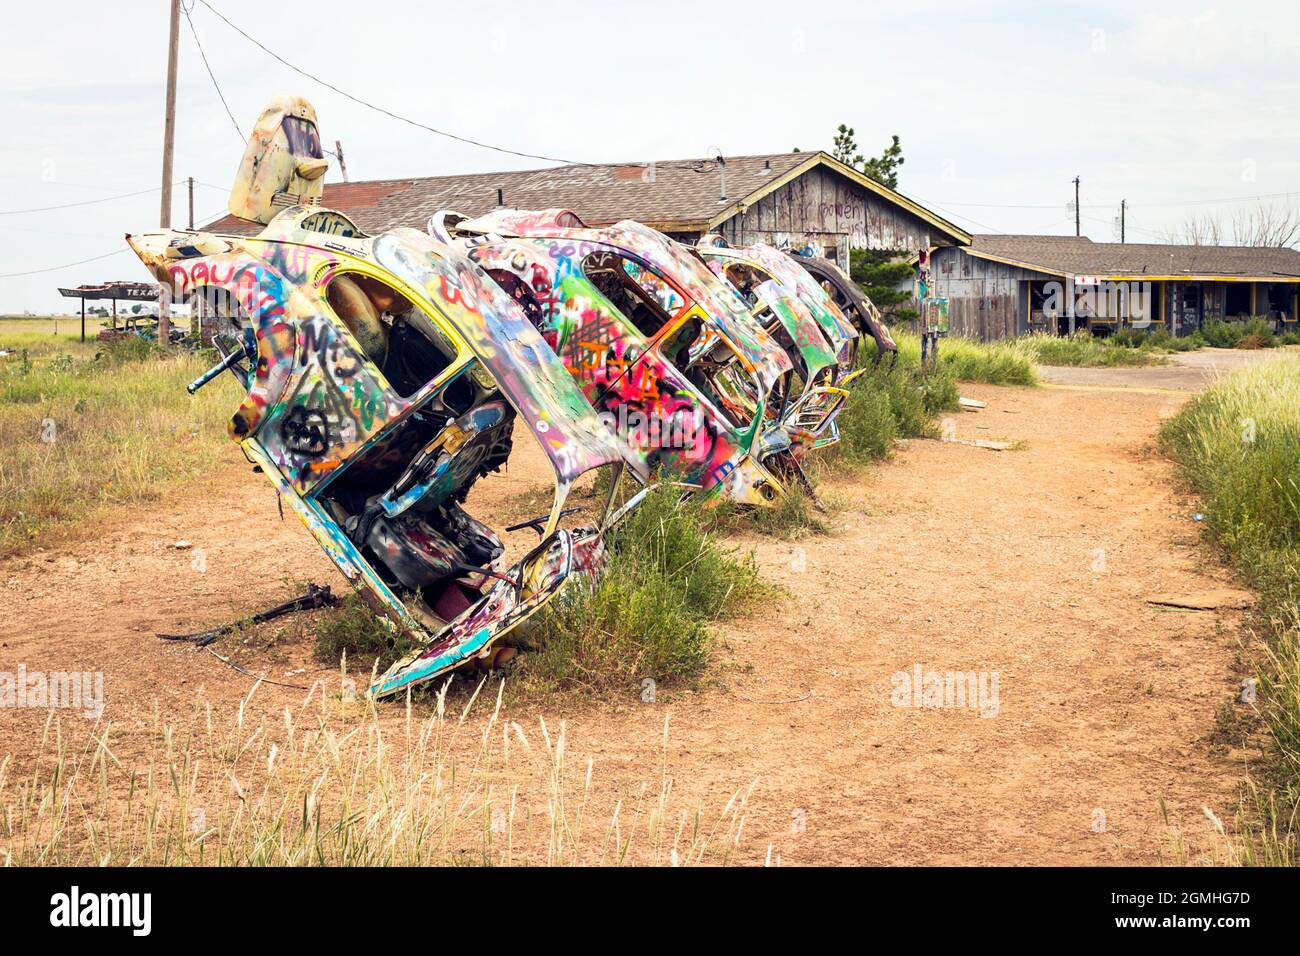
{"type": "Point", "coordinates": [831, 213]}
{"type": "Point", "coordinates": [986, 300]}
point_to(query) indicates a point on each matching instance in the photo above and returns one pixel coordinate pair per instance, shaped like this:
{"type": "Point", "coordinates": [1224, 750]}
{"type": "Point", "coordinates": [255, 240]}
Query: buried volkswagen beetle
{"type": "Point", "coordinates": [654, 341]}
{"type": "Point", "coordinates": [384, 376]}
{"type": "Point", "coordinates": [848, 296]}
{"type": "Point", "coordinates": [820, 341]}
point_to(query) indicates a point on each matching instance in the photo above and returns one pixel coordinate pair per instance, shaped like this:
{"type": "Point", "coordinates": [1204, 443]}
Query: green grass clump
{"type": "Point", "coordinates": [648, 613]}
{"type": "Point", "coordinates": [1085, 350]}
{"type": "Point", "coordinates": [80, 435]}
{"type": "Point", "coordinates": [1238, 445]}
{"type": "Point", "coordinates": [1157, 339]}
{"type": "Point", "coordinates": [1004, 362]}
{"type": "Point", "coordinates": [1254, 333]}
{"type": "Point", "coordinates": [890, 402]}
{"type": "Point", "coordinates": [354, 629]}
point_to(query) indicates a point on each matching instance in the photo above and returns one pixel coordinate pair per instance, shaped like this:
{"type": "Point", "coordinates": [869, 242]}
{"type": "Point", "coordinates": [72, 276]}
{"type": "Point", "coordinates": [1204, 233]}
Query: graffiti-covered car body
{"type": "Point", "coordinates": [383, 377]}
{"type": "Point", "coordinates": [819, 339]}
{"type": "Point", "coordinates": [855, 304]}
{"type": "Point", "coordinates": [668, 355]}
{"type": "Point", "coordinates": [762, 263]}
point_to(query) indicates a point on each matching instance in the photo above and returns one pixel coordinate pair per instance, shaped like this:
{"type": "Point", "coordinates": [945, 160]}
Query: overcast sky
{"type": "Point", "coordinates": [999, 104]}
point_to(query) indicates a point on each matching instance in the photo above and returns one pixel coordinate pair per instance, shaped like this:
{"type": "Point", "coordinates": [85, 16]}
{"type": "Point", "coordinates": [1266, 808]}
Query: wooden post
{"type": "Point", "coordinates": [169, 146]}
{"type": "Point", "coordinates": [1076, 221]}
{"type": "Point", "coordinates": [343, 165]}
{"type": "Point", "coordinates": [83, 318]}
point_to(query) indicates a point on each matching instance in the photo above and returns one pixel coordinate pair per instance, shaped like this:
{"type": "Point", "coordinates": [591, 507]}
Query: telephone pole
{"type": "Point", "coordinates": [191, 182]}
{"type": "Point", "coordinates": [1076, 206]}
{"type": "Point", "coordinates": [343, 166]}
{"type": "Point", "coordinates": [169, 144]}
{"type": "Point", "coordinates": [1123, 205]}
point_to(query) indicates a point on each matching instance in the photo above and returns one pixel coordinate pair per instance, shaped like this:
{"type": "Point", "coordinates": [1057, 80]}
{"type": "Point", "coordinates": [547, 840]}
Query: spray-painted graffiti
{"type": "Point", "coordinates": [649, 334]}
{"type": "Point", "coordinates": [383, 377]}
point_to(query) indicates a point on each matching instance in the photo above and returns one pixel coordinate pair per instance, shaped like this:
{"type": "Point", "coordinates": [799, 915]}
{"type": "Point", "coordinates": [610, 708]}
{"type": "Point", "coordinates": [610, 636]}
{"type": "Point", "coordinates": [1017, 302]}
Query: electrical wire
{"type": "Point", "coordinates": [379, 109]}
{"type": "Point", "coordinates": [212, 76]}
{"type": "Point", "coordinates": [1146, 205]}
{"type": "Point", "coordinates": [84, 202]}
{"type": "Point", "coordinates": [66, 265]}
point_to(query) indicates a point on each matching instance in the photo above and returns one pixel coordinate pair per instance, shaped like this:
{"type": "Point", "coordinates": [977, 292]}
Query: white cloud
{"type": "Point", "coordinates": [1000, 102]}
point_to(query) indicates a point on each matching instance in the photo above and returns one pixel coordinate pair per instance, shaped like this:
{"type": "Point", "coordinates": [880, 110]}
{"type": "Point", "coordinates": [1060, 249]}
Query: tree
{"type": "Point", "coordinates": [883, 168]}
{"type": "Point", "coordinates": [885, 277]}
{"type": "Point", "coordinates": [1265, 225]}
{"type": "Point", "coordinates": [845, 147]}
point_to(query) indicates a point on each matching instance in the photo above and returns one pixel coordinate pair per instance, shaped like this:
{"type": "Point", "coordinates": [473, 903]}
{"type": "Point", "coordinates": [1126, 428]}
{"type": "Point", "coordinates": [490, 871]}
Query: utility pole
{"type": "Point", "coordinates": [191, 202]}
{"type": "Point", "coordinates": [343, 166]}
{"type": "Point", "coordinates": [1076, 207]}
{"type": "Point", "coordinates": [169, 144]}
{"type": "Point", "coordinates": [1123, 205]}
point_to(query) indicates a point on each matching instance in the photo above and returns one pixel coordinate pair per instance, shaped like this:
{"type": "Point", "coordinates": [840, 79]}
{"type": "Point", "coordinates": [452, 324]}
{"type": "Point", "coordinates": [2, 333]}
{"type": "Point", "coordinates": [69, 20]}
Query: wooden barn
{"type": "Point", "coordinates": [789, 200]}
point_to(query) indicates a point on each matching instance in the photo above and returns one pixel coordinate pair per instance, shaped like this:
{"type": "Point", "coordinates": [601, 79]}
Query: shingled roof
{"type": "Point", "coordinates": [674, 196]}
{"type": "Point", "coordinates": [1071, 255]}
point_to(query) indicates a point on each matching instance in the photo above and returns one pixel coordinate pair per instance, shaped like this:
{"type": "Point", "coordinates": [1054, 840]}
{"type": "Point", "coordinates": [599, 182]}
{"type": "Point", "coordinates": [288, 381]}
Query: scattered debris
{"type": "Point", "coordinates": [1220, 599]}
{"type": "Point", "coordinates": [982, 443]}
{"type": "Point", "coordinates": [971, 404]}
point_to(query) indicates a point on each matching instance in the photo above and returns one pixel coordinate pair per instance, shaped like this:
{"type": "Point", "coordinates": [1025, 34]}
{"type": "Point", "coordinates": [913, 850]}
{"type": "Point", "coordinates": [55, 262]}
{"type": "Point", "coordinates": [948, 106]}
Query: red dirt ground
{"type": "Point", "coordinates": [1033, 563]}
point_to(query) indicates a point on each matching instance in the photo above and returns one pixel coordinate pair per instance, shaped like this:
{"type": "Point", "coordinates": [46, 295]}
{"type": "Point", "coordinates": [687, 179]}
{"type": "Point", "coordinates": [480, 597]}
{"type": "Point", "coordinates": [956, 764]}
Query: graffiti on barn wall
{"type": "Point", "coordinates": [824, 209]}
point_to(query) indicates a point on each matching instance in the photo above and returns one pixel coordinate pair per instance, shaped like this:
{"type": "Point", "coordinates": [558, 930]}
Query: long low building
{"type": "Point", "coordinates": [799, 201]}
{"type": "Point", "coordinates": [1000, 286]}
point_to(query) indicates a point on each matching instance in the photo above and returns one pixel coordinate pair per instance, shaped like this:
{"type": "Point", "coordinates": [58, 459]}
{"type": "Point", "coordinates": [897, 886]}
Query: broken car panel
{"type": "Point", "coordinates": [851, 300]}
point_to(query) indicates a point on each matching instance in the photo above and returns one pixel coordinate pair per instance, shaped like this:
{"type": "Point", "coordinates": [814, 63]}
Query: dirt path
{"type": "Point", "coordinates": [1184, 371]}
{"type": "Point", "coordinates": [1030, 564]}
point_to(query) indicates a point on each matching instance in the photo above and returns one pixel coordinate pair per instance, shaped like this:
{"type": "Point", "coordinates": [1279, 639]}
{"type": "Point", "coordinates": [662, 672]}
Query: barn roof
{"type": "Point", "coordinates": [1071, 255]}
{"type": "Point", "coordinates": [674, 195]}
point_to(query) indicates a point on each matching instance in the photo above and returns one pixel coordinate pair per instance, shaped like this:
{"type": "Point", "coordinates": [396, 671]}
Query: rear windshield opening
{"type": "Point", "coordinates": [403, 342]}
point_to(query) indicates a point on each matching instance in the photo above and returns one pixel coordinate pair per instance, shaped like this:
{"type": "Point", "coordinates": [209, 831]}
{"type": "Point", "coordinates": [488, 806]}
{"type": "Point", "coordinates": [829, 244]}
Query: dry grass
{"type": "Point", "coordinates": [328, 784]}
{"type": "Point", "coordinates": [83, 432]}
{"type": "Point", "coordinates": [1238, 445]}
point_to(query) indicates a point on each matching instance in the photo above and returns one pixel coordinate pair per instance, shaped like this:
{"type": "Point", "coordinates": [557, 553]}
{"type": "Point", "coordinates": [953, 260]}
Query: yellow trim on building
{"type": "Point", "coordinates": [738, 207]}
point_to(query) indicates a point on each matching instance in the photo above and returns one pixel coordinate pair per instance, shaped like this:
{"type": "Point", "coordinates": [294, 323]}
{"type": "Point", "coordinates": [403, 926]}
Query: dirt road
{"type": "Point", "coordinates": [1028, 568]}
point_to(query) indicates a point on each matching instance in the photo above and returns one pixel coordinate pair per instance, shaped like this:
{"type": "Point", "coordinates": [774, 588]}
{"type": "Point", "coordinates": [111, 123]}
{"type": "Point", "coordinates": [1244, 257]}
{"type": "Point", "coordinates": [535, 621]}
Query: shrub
{"type": "Point", "coordinates": [648, 614]}
{"type": "Point", "coordinates": [128, 348]}
{"type": "Point", "coordinates": [1222, 335]}
{"type": "Point", "coordinates": [1083, 349]}
{"type": "Point", "coordinates": [354, 629]}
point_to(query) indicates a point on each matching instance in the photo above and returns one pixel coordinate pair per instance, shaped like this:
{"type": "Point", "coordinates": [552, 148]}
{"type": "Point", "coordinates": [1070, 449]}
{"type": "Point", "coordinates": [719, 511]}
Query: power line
{"type": "Point", "coordinates": [380, 109]}
{"type": "Point", "coordinates": [1130, 227]}
{"type": "Point", "coordinates": [957, 215]}
{"type": "Point", "coordinates": [84, 202]}
{"type": "Point", "coordinates": [1147, 205]}
{"type": "Point", "coordinates": [212, 76]}
{"type": "Point", "coordinates": [66, 265]}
